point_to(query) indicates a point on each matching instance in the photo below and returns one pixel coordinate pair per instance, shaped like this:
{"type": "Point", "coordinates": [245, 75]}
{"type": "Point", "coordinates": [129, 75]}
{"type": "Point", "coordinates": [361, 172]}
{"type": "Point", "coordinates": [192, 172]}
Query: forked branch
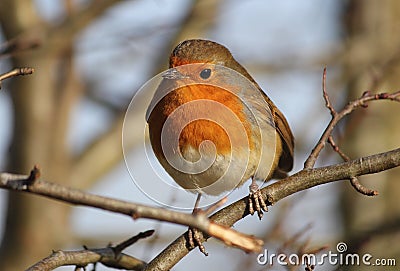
{"type": "Point", "coordinates": [362, 102]}
{"type": "Point", "coordinates": [110, 256]}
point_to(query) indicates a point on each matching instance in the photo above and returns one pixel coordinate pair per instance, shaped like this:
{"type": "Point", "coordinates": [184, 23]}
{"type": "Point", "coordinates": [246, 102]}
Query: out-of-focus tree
{"type": "Point", "coordinates": [372, 63]}
{"type": "Point", "coordinates": [42, 109]}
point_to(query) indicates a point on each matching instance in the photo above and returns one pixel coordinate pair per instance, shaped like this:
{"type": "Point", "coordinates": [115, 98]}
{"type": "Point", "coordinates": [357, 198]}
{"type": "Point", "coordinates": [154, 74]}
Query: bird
{"type": "Point", "coordinates": [213, 128]}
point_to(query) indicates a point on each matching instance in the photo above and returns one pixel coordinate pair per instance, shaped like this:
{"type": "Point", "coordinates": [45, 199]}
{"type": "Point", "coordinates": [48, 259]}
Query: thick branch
{"type": "Point", "coordinates": [302, 180]}
{"type": "Point", "coordinates": [32, 184]}
{"type": "Point", "coordinates": [224, 218]}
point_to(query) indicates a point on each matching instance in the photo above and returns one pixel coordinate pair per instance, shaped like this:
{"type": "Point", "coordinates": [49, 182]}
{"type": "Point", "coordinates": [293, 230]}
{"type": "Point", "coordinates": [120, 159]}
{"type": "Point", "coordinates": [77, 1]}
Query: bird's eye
{"type": "Point", "coordinates": [205, 74]}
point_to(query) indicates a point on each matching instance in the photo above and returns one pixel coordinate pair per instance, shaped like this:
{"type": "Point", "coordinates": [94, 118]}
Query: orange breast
{"type": "Point", "coordinates": [200, 130]}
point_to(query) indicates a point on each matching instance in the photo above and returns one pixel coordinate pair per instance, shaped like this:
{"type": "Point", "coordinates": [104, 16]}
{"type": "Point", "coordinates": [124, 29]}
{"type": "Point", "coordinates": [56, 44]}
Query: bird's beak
{"type": "Point", "coordinates": [173, 74]}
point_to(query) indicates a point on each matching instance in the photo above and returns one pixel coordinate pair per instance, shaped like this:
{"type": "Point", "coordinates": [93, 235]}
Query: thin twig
{"type": "Point", "coordinates": [337, 116]}
{"type": "Point", "coordinates": [336, 148]}
{"type": "Point", "coordinates": [34, 175]}
{"type": "Point", "coordinates": [353, 180]}
{"type": "Point", "coordinates": [362, 189]}
{"type": "Point", "coordinates": [328, 103]}
{"type": "Point", "coordinates": [16, 72]}
{"type": "Point", "coordinates": [127, 243]}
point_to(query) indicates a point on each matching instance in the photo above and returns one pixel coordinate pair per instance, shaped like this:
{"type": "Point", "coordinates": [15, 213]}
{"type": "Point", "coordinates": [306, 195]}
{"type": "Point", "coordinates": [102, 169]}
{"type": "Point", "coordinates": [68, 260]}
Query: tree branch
{"type": "Point", "coordinates": [353, 180]}
{"type": "Point", "coordinates": [302, 180]}
{"type": "Point", "coordinates": [223, 219]}
{"type": "Point", "coordinates": [105, 256]}
{"type": "Point", "coordinates": [337, 116]}
{"type": "Point", "coordinates": [16, 72]}
{"type": "Point", "coordinates": [109, 256]}
{"type": "Point", "coordinates": [32, 184]}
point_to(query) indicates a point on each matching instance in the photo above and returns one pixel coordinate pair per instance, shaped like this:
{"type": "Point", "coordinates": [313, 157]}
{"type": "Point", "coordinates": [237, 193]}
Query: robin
{"type": "Point", "coordinates": [213, 128]}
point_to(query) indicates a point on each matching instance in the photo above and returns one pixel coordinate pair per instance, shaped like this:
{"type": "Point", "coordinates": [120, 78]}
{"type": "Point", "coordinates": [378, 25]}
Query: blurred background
{"type": "Point", "coordinates": [90, 57]}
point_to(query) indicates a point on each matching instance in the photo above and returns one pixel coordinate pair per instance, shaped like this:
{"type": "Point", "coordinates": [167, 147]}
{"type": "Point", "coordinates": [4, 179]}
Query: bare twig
{"type": "Point", "coordinates": [337, 116]}
{"type": "Point", "coordinates": [362, 189]}
{"type": "Point", "coordinates": [121, 246]}
{"type": "Point", "coordinates": [109, 256]}
{"type": "Point", "coordinates": [200, 221]}
{"type": "Point", "coordinates": [353, 180]}
{"type": "Point", "coordinates": [105, 256]}
{"type": "Point", "coordinates": [336, 148]}
{"type": "Point", "coordinates": [328, 103]}
{"type": "Point", "coordinates": [34, 175]}
{"type": "Point", "coordinates": [15, 72]}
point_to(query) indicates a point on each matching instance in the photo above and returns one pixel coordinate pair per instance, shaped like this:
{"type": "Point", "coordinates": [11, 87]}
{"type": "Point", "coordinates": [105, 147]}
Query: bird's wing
{"type": "Point", "coordinates": [283, 129]}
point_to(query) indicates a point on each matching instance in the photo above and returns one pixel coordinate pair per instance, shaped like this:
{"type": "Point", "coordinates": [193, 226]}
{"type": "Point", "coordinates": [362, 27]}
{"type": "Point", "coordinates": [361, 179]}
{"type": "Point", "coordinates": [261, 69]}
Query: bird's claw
{"type": "Point", "coordinates": [259, 203]}
{"type": "Point", "coordinates": [194, 240]}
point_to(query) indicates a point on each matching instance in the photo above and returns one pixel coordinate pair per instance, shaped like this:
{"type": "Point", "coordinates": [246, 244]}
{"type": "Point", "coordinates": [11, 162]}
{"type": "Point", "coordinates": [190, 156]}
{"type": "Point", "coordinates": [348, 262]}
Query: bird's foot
{"type": "Point", "coordinates": [256, 201]}
{"type": "Point", "coordinates": [195, 241]}
{"type": "Point", "coordinates": [193, 234]}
